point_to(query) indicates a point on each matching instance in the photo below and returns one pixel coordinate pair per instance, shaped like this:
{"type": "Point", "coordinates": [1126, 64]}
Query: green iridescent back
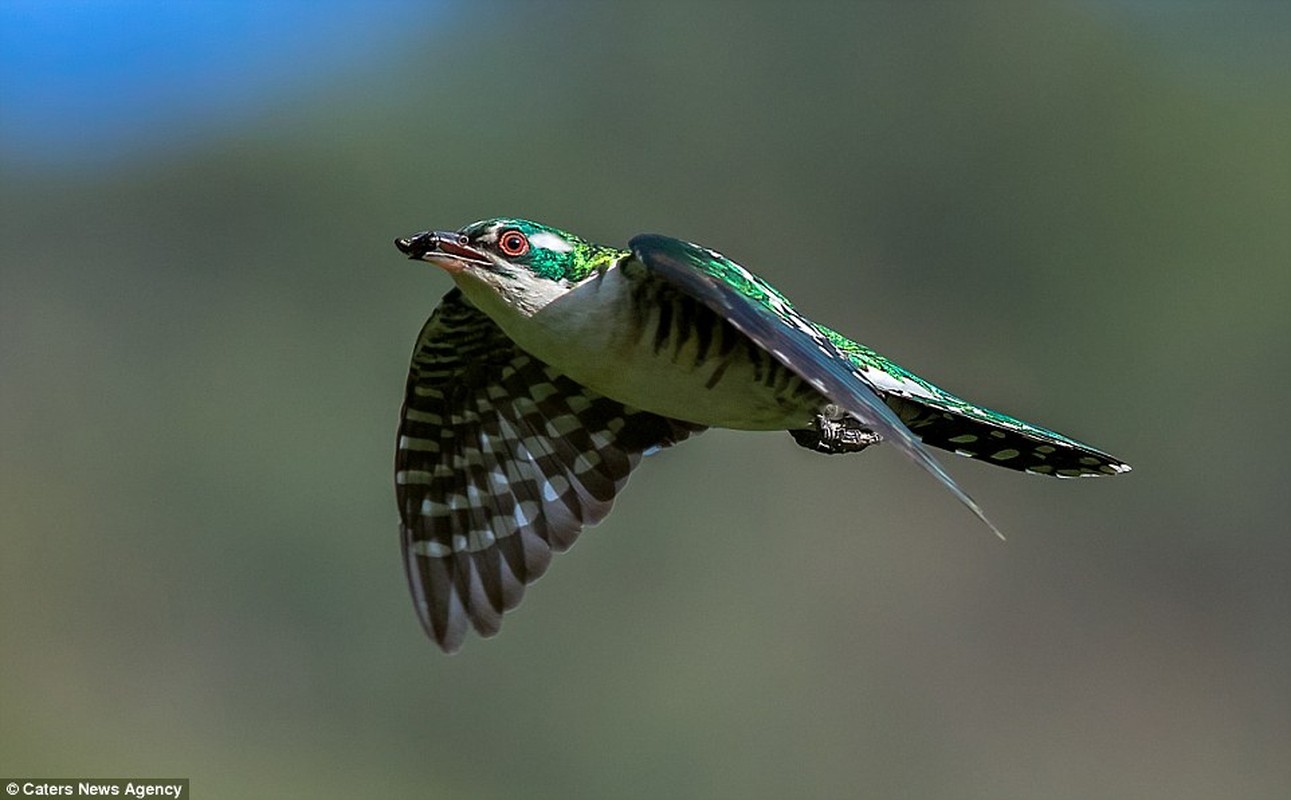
{"type": "Point", "coordinates": [881, 372]}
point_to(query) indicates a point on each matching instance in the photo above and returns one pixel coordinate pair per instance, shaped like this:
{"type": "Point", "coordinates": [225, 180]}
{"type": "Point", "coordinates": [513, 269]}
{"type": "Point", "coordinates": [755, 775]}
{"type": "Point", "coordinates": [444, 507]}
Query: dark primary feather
{"type": "Point", "coordinates": [501, 461]}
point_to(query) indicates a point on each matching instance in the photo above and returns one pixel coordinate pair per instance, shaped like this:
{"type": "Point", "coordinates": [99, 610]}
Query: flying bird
{"type": "Point", "coordinates": [556, 364]}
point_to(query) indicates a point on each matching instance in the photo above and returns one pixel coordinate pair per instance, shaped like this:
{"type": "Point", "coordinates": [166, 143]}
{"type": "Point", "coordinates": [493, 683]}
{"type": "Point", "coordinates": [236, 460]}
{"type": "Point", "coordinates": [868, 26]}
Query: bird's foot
{"type": "Point", "coordinates": [835, 436]}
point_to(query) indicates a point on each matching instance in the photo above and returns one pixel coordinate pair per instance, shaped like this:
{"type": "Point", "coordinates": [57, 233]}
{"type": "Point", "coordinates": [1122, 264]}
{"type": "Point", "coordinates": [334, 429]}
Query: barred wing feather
{"type": "Point", "coordinates": [501, 461]}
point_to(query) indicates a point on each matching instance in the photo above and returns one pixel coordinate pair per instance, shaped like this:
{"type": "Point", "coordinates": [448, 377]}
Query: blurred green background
{"type": "Point", "coordinates": [1076, 212]}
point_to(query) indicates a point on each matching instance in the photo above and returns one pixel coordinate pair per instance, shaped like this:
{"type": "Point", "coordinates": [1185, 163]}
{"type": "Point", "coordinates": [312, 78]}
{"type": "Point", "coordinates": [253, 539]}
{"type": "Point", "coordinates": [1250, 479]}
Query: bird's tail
{"type": "Point", "coordinates": [964, 429]}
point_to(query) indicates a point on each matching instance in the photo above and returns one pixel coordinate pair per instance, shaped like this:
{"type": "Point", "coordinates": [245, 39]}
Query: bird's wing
{"type": "Point", "coordinates": [501, 461]}
{"type": "Point", "coordinates": [760, 312]}
{"type": "Point", "coordinates": [941, 419]}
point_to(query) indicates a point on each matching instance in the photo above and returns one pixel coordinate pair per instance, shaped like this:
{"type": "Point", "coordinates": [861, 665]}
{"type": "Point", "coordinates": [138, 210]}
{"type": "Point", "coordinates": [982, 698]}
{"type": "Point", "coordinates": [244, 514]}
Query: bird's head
{"type": "Point", "coordinates": [525, 263]}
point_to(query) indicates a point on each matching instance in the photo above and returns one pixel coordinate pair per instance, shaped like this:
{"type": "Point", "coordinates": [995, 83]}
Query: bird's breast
{"type": "Point", "coordinates": [645, 343]}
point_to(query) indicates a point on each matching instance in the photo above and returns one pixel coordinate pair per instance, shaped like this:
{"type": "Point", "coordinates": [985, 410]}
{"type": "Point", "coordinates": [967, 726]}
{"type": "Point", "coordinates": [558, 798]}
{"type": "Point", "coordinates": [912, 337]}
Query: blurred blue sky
{"type": "Point", "coordinates": [84, 81]}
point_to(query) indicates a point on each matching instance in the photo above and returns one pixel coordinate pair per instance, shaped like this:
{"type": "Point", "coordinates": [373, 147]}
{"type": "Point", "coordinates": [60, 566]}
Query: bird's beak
{"type": "Point", "coordinates": [447, 249]}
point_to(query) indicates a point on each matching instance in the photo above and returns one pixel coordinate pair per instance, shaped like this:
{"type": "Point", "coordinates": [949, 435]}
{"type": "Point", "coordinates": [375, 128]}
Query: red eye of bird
{"type": "Point", "coordinates": [513, 243]}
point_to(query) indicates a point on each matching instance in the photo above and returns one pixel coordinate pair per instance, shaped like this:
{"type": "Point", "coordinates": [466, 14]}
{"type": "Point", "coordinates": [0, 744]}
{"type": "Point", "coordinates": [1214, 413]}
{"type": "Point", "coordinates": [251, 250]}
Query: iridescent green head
{"type": "Point", "coordinates": [523, 264]}
{"type": "Point", "coordinates": [507, 247]}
